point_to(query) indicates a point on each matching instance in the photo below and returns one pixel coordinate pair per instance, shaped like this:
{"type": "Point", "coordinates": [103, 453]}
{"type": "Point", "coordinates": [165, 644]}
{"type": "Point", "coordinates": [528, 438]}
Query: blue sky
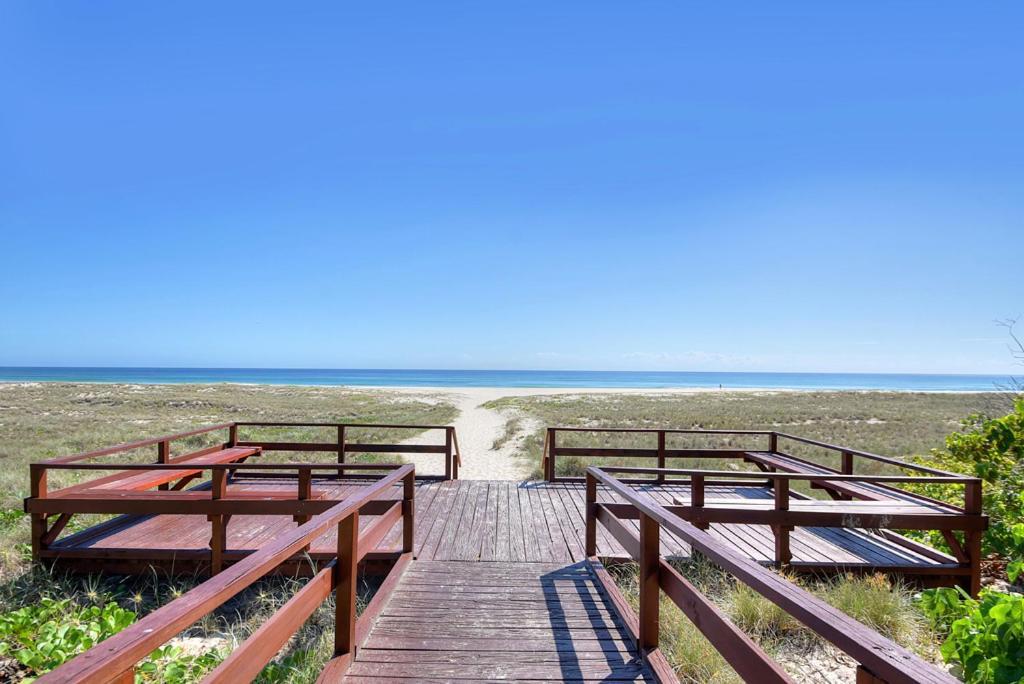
{"type": "Point", "coordinates": [684, 186]}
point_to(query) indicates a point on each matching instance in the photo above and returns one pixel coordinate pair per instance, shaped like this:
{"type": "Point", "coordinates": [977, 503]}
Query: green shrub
{"type": "Point", "coordinates": [991, 449]}
{"type": "Point", "coordinates": [986, 636]}
{"type": "Point", "coordinates": [47, 634]}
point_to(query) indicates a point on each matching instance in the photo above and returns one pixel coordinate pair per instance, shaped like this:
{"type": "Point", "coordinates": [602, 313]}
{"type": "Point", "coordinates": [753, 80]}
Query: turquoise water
{"type": "Point", "coordinates": [498, 378]}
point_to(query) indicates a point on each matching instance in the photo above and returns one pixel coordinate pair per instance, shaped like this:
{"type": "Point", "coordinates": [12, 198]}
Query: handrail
{"type": "Point", "coordinates": [128, 446]}
{"type": "Point", "coordinates": [661, 452]}
{"type": "Point", "coordinates": [877, 656]}
{"type": "Point", "coordinates": [117, 656]}
{"type": "Point", "coordinates": [758, 475]}
{"type": "Point", "coordinates": [682, 431]}
{"type": "Point", "coordinates": [864, 454]}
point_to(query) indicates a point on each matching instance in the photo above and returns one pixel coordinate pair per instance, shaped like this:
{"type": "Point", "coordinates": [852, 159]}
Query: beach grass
{"type": "Point", "coordinates": [898, 424]}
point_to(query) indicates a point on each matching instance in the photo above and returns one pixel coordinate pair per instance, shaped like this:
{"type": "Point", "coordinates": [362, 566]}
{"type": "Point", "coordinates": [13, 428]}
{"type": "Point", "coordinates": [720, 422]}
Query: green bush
{"type": "Point", "coordinates": [986, 636]}
{"type": "Point", "coordinates": [991, 449]}
{"type": "Point", "coordinates": [45, 635]}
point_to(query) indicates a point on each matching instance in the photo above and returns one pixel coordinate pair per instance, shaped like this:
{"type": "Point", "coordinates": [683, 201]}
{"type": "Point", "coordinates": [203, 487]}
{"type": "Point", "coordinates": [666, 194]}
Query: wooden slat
{"type": "Point", "coordinates": [248, 659]}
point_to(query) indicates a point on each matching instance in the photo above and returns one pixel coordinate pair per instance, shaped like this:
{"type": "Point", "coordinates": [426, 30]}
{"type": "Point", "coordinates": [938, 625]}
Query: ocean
{"type": "Point", "coordinates": [511, 378]}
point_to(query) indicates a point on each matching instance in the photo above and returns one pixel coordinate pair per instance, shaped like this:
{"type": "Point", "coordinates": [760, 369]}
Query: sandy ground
{"type": "Point", "coordinates": [478, 427]}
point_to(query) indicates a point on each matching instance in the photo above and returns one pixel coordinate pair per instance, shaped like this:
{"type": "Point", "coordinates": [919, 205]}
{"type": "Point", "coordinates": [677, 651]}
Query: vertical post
{"type": "Point", "coordinates": [163, 455]}
{"type": "Point", "coordinates": [233, 435]}
{"type": "Point", "coordinates": [305, 491]}
{"type": "Point", "coordinates": [456, 455]}
{"type": "Point", "coordinates": [408, 511]}
{"type": "Point", "coordinates": [219, 523]}
{"type": "Point", "coordinates": [590, 541]}
{"type": "Point", "coordinates": [341, 446]}
{"type": "Point", "coordinates": [650, 587]}
{"type": "Point", "coordinates": [345, 591]}
{"type": "Point", "coordinates": [661, 455]}
{"type": "Point", "coordinates": [773, 442]}
{"type": "Point", "coordinates": [864, 676]}
{"type": "Point", "coordinates": [847, 463]}
{"type": "Point", "coordinates": [37, 489]}
{"type": "Point", "coordinates": [550, 474]}
{"type": "Point", "coordinates": [126, 677]}
{"type": "Point", "coordinates": [782, 551]}
{"type": "Point", "coordinates": [972, 538]}
{"type": "Point", "coordinates": [697, 500]}
{"type": "Point", "coordinates": [448, 464]}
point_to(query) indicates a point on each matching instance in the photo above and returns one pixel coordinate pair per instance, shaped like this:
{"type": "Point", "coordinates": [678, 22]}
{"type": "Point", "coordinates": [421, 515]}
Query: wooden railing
{"type": "Point", "coordinates": [452, 457]}
{"type": "Point", "coordinates": [342, 447]}
{"type": "Point", "coordinates": [115, 659]}
{"type": "Point", "coordinates": [659, 451]}
{"type": "Point", "coordinates": [880, 661]}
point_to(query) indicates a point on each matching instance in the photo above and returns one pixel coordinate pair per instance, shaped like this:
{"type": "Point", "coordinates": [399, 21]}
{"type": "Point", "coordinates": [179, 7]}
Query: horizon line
{"type": "Point", "coordinates": [1005, 374]}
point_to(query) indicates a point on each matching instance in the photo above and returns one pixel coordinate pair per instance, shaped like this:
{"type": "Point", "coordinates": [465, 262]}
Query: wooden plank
{"type": "Point", "coordinates": [248, 659]}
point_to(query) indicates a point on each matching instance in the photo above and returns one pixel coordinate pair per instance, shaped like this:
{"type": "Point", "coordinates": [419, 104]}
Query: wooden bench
{"type": "Point", "coordinates": [824, 513]}
{"type": "Point", "coordinates": [154, 478]}
{"type": "Point", "coordinates": [855, 490]}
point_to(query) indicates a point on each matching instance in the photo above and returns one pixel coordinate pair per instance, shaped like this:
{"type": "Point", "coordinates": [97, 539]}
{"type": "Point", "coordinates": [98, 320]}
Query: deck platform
{"type": "Point", "coordinates": [473, 520]}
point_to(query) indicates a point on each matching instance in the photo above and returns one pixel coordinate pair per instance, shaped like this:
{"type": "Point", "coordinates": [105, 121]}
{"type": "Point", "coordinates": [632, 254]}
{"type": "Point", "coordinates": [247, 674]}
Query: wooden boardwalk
{"type": "Point", "coordinates": [469, 520]}
{"type": "Point", "coordinates": [492, 580]}
{"type": "Point", "coordinates": [471, 621]}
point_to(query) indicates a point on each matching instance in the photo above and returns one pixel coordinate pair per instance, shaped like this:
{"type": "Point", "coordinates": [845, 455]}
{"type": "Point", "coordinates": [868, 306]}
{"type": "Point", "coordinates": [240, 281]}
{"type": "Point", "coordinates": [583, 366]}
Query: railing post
{"type": "Point", "coordinates": [650, 587]}
{"type": "Point", "coordinates": [305, 491]}
{"type": "Point", "coordinates": [661, 455]}
{"type": "Point", "coordinates": [697, 499]}
{"type": "Point", "coordinates": [864, 676]}
{"type": "Point", "coordinates": [972, 538]}
{"type": "Point", "coordinates": [345, 592]}
{"type": "Point", "coordinates": [549, 475]}
{"type": "Point", "coordinates": [782, 551]}
{"type": "Point", "coordinates": [37, 489]}
{"type": "Point", "coordinates": [590, 541]}
{"type": "Point", "coordinates": [163, 455]}
{"type": "Point", "coordinates": [341, 446]}
{"type": "Point", "coordinates": [847, 469]}
{"type": "Point", "coordinates": [233, 435]}
{"type": "Point", "coordinates": [773, 442]}
{"type": "Point", "coordinates": [448, 463]}
{"type": "Point", "coordinates": [408, 511]}
{"type": "Point", "coordinates": [219, 523]}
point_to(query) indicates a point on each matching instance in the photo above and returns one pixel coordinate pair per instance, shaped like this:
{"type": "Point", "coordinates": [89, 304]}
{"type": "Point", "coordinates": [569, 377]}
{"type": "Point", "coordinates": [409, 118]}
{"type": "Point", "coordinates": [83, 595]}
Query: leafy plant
{"type": "Point", "coordinates": [991, 449]}
{"type": "Point", "coordinates": [173, 665]}
{"type": "Point", "coordinates": [986, 636]}
{"type": "Point", "coordinates": [45, 635]}
{"type": "Point", "coordinates": [49, 633]}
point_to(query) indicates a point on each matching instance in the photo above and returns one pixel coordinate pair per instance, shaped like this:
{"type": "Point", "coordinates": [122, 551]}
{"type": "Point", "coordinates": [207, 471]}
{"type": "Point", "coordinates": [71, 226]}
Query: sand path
{"type": "Point", "coordinates": [478, 428]}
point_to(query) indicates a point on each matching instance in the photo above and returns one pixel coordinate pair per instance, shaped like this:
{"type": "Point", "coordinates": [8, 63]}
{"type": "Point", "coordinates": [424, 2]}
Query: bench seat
{"type": "Point", "coordinates": [858, 490]}
{"type": "Point", "coordinates": [141, 481]}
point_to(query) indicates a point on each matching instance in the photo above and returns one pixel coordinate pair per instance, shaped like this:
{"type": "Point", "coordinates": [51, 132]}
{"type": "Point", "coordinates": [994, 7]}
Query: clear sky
{"type": "Point", "coordinates": [634, 185]}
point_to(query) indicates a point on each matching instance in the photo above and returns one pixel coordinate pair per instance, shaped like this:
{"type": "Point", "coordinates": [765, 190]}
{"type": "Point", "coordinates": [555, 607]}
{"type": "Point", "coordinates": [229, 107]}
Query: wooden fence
{"type": "Point", "coordinates": [880, 661]}
{"type": "Point", "coordinates": [114, 660]}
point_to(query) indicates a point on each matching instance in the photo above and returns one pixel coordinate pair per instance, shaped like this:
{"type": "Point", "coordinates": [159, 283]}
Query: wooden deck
{"type": "Point", "coordinates": [466, 520]}
{"type": "Point", "coordinates": [493, 580]}
{"type": "Point", "coordinates": [498, 621]}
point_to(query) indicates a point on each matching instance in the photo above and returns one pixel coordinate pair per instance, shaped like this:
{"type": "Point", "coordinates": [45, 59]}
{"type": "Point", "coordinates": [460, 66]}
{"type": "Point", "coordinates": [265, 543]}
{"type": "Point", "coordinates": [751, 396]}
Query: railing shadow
{"type": "Point", "coordinates": [607, 630]}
